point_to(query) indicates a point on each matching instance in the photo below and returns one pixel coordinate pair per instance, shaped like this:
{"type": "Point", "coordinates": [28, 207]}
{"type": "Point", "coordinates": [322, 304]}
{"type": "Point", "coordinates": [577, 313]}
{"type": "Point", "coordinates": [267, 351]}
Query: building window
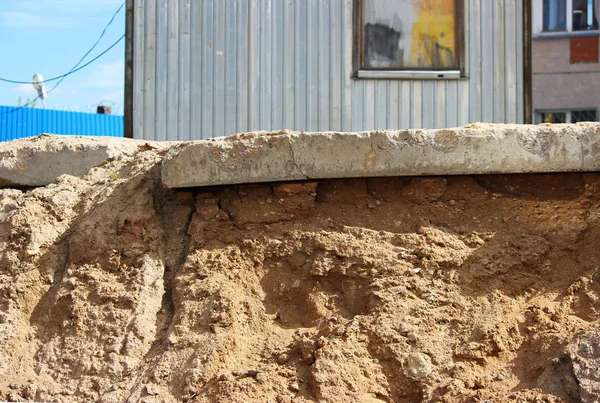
{"type": "Point", "coordinates": [408, 38]}
{"type": "Point", "coordinates": [569, 15]}
{"type": "Point", "coordinates": [567, 116]}
{"type": "Point", "coordinates": [590, 115]}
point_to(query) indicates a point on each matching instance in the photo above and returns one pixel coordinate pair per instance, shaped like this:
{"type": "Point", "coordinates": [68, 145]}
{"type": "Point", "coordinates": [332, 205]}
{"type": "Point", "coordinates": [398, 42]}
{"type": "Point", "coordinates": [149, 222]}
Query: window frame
{"type": "Point", "coordinates": [412, 73]}
{"type": "Point", "coordinates": [539, 23]}
{"type": "Point", "coordinates": [566, 111]}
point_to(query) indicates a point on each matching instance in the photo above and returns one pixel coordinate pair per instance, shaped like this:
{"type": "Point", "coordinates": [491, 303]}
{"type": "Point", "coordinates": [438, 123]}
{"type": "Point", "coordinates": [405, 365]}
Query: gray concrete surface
{"type": "Point", "coordinates": [473, 149]}
{"type": "Point", "coordinates": [559, 84]}
{"type": "Point", "coordinates": [38, 161]}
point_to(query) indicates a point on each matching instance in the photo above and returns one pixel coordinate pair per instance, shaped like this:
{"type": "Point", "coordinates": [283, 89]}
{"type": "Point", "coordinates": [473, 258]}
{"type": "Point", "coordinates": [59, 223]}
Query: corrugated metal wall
{"type": "Point", "coordinates": [18, 122]}
{"type": "Point", "coordinates": [209, 68]}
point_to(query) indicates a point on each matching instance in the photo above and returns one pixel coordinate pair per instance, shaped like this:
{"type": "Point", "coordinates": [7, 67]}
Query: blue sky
{"type": "Point", "coordinates": [49, 37]}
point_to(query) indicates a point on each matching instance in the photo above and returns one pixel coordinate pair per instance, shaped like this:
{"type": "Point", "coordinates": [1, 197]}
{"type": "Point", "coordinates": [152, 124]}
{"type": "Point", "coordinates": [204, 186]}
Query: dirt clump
{"type": "Point", "coordinates": [454, 289]}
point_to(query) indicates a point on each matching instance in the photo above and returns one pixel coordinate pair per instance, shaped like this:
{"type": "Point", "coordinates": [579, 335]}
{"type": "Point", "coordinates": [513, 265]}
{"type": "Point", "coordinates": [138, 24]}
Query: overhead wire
{"type": "Point", "coordinates": [76, 67]}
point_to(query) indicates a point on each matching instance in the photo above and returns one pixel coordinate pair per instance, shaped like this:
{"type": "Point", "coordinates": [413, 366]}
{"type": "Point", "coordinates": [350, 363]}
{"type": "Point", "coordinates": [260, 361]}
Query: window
{"type": "Point", "coordinates": [567, 116]}
{"type": "Point", "coordinates": [590, 115]}
{"type": "Point", "coordinates": [569, 15]}
{"type": "Point", "coordinates": [395, 38]}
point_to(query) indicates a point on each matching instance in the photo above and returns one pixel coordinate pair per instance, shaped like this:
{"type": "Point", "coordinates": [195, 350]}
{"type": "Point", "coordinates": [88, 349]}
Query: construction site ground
{"type": "Point", "coordinates": [485, 288]}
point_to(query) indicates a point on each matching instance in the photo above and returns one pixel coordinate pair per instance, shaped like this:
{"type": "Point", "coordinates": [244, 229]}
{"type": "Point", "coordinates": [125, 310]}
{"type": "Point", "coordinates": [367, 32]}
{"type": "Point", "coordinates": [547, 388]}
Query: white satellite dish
{"type": "Point", "coordinates": [38, 84]}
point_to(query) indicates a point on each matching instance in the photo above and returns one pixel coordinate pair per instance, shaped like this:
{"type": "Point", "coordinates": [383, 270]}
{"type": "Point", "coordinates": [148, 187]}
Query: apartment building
{"type": "Point", "coordinates": [565, 65]}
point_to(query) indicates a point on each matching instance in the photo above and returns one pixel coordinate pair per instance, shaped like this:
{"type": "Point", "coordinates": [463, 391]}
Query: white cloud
{"type": "Point", "coordinates": [114, 96]}
{"type": "Point", "coordinates": [25, 89]}
{"type": "Point", "coordinates": [68, 6]}
{"type": "Point", "coordinates": [107, 76]}
{"type": "Point", "coordinates": [18, 19]}
{"type": "Point", "coordinates": [57, 13]}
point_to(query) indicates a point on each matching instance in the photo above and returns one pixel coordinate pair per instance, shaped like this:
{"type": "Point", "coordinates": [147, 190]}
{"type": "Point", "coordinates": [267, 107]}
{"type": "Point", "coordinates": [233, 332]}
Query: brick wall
{"type": "Point", "coordinates": [584, 49]}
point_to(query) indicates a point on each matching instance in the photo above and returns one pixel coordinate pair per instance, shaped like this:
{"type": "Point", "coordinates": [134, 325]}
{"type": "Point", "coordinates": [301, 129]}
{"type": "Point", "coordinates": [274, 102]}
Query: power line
{"type": "Point", "coordinates": [74, 68]}
{"type": "Point", "coordinates": [92, 48]}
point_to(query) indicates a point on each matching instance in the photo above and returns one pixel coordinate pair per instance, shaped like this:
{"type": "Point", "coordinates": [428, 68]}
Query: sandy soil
{"type": "Point", "coordinates": [454, 289]}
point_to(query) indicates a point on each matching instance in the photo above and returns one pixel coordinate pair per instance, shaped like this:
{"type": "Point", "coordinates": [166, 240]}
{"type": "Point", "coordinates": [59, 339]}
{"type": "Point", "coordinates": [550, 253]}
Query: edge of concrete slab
{"type": "Point", "coordinates": [39, 160]}
{"type": "Point", "coordinates": [470, 150]}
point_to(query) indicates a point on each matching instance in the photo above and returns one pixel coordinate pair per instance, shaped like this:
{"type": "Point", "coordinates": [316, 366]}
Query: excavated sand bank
{"type": "Point", "coordinates": [114, 288]}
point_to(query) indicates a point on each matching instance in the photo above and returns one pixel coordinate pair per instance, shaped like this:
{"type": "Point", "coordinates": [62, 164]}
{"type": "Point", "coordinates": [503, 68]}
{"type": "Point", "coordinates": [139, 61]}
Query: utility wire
{"type": "Point", "coordinates": [65, 75]}
{"type": "Point", "coordinates": [75, 69]}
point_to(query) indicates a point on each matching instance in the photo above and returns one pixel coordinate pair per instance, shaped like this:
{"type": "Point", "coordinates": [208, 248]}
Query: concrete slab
{"type": "Point", "coordinates": [473, 149]}
{"type": "Point", "coordinates": [38, 161]}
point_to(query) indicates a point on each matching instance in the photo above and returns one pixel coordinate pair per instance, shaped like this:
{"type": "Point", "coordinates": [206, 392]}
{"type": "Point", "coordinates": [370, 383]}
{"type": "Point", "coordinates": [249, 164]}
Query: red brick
{"type": "Point", "coordinates": [584, 49]}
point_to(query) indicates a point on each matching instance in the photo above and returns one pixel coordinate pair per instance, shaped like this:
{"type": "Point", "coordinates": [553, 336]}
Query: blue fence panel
{"type": "Point", "coordinates": [16, 123]}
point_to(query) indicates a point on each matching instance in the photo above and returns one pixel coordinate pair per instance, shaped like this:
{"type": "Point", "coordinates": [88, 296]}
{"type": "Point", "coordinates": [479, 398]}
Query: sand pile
{"type": "Point", "coordinates": [483, 289]}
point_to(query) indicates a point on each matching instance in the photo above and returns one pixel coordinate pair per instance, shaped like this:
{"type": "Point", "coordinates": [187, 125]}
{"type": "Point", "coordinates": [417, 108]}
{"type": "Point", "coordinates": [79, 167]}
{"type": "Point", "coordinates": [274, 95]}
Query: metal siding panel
{"type": "Point", "coordinates": [81, 127]}
{"type": "Point", "coordinates": [428, 110]}
{"type": "Point", "coordinates": [196, 46]}
{"type": "Point", "coordinates": [208, 75]}
{"type": "Point", "coordinates": [231, 65]}
{"type": "Point", "coordinates": [184, 73]}
{"type": "Point", "coordinates": [242, 80]}
{"type": "Point", "coordinates": [254, 67]}
{"type": "Point", "coordinates": [488, 54]}
{"type": "Point", "coordinates": [405, 105]}
{"type": "Point", "coordinates": [276, 50]}
{"type": "Point", "coordinates": [173, 62]}
{"type": "Point", "coordinates": [277, 63]}
{"type": "Point", "coordinates": [463, 103]}
{"type": "Point", "coordinates": [474, 49]}
{"type": "Point", "coordinates": [162, 49]}
{"type": "Point", "coordinates": [380, 110]}
{"type": "Point", "coordinates": [369, 105]}
{"type": "Point", "coordinates": [416, 89]}
{"type": "Point", "coordinates": [27, 127]}
{"type": "Point", "coordinates": [139, 98]}
{"type": "Point", "coordinates": [519, 102]}
{"type": "Point", "coordinates": [289, 54]}
{"type": "Point", "coordinates": [441, 103]}
{"type": "Point", "coordinates": [219, 85]}
{"type": "Point", "coordinates": [464, 86]}
{"type": "Point", "coordinates": [264, 55]}
{"type": "Point", "coordinates": [452, 103]}
{"type": "Point", "coordinates": [393, 121]}
{"type": "Point", "coordinates": [268, 64]}
{"type": "Point", "coordinates": [510, 37]}
{"type": "Point", "coordinates": [324, 65]}
{"type": "Point", "coordinates": [149, 125]}
{"type": "Point", "coordinates": [5, 121]}
{"type": "Point", "coordinates": [336, 59]}
{"type": "Point", "coordinates": [347, 86]}
{"type": "Point", "coordinates": [301, 65]}
{"type": "Point", "coordinates": [38, 123]}
{"type": "Point", "coordinates": [18, 122]}
{"type": "Point", "coordinates": [358, 108]}
{"type": "Point", "coordinates": [499, 67]}
{"type": "Point", "coordinates": [49, 123]}
{"type": "Point", "coordinates": [312, 75]}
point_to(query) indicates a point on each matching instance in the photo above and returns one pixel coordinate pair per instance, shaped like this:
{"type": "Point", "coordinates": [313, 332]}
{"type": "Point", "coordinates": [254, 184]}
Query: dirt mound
{"type": "Point", "coordinates": [113, 289]}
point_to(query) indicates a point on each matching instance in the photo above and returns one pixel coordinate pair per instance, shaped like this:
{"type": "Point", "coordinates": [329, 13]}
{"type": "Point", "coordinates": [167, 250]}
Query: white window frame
{"type": "Point", "coordinates": [538, 22]}
{"type": "Point", "coordinates": [408, 74]}
{"type": "Point", "coordinates": [567, 112]}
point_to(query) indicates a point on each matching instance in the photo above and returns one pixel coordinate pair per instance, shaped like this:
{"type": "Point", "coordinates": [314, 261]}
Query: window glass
{"type": "Point", "coordinates": [583, 15]}
{"type": "Point", "coordinates": [583, 116]}
{"type": "Point", "coordinates": [555, 15]}
{"type": "Point", "coordinates": [409, 34]}
{"type": "Point", "coordinates": [554, 117]}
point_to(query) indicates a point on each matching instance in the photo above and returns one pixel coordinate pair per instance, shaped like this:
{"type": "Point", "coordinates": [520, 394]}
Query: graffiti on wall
{"type": "Point", "coordinates": [409, 34]}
